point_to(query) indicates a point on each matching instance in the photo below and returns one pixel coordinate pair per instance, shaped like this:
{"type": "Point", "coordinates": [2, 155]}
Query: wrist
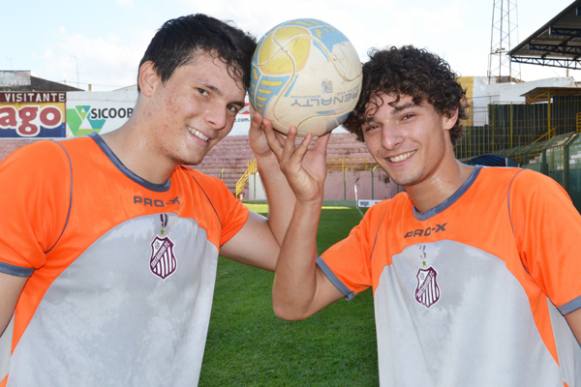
{"type": "Point", "coordinates": [265, 158]}
{"type": "Point", "coordinates": [267, 164]}
{"type": "Point", "coordinates": [309, 204]}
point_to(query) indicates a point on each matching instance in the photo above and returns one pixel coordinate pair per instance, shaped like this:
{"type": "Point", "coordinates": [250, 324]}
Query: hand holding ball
{"type": "Point", "coordinates": [305, 73]}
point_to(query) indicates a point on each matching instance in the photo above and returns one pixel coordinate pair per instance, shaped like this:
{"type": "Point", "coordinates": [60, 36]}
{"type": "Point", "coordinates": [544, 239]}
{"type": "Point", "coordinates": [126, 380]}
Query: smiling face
{"type": "Point", "coordinates": [410, 141]}
{"type": "Point", "coordinates": [194, 109]}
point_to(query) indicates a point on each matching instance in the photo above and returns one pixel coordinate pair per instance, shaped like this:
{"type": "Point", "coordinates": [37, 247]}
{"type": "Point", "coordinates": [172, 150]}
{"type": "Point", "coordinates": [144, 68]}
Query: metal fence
{"type": "Point", "coordinates": [514, 125]}
{"type": "Point", "coordinates": [559, 157]}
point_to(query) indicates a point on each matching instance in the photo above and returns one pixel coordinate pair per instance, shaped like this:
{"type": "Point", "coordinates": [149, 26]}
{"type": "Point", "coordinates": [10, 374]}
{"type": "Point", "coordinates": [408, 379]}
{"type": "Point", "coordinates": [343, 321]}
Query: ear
{"type": "Point", "coordinates": [449, 119]}
{"type": "Point", "coordinates": [148, 78]}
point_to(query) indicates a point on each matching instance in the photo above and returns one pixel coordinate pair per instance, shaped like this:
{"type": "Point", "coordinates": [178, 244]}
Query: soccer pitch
{"type": "Point", "coordinates": [248, 346]}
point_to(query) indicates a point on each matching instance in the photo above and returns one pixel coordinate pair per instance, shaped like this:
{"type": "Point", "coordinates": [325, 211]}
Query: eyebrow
{"type": "Point", "coordinates": [405, 106]}
{"type": "Point", "coordinates": [369, 119]}
{"type": "Point", "coordinates": [396, 109]}
{"type": "Point", "coordinates": [212, 87]}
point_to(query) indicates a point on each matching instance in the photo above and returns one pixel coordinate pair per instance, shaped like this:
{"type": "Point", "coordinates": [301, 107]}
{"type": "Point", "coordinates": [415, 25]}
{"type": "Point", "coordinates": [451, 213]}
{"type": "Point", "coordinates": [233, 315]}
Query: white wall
{"type": "Point", "coordinates": [98, 111]}
{"type": "Point", "coordinates": [503, 93]}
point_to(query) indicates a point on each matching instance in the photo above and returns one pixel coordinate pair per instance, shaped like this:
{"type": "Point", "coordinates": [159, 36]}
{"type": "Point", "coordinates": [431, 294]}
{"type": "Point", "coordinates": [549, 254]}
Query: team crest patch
{"type": "Point", "coordinates": [163, 261]}
{"type": "Point", "coordinates": [427, 290]}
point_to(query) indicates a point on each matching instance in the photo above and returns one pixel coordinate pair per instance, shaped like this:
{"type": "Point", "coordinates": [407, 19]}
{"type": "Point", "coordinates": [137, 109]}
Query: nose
{"type": "Point", "coordinates": [216, 116]}
{"type": "Point", "coordinates": [391, 136]}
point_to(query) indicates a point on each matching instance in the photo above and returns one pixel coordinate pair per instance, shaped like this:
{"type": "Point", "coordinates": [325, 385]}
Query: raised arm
{"type": "Point", "coordinates": [280, 197]}
{"type": "Point", "coordinates": [300, 288]}
{"type": "Point", "coordinates": [259, 241]}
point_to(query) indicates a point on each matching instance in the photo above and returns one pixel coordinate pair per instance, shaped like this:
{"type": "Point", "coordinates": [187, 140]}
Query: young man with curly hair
{"type": "Point", "coordinates": [475, 271]}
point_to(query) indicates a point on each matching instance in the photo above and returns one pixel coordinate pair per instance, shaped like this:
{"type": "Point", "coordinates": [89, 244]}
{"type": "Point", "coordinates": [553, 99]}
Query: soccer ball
{"type": "Point", "coordinates": [305, 73]}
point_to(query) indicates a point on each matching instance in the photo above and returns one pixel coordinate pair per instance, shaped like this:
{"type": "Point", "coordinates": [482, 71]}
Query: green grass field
{"type": "Point", "coordinates": [248, 346]}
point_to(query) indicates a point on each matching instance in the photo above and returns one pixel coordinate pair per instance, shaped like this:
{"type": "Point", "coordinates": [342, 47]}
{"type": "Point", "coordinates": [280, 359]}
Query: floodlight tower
{"type": "Point", "coordinates": [503, 34]}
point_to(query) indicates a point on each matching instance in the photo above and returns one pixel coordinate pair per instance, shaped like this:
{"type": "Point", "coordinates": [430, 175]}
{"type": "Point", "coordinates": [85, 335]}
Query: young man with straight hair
{"type": "Point", "coordinates": [109, 244]}
{"type": "Point", "coordinates": [475, 271]}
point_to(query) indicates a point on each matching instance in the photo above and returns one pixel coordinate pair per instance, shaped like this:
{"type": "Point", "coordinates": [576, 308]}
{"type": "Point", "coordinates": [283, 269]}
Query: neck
{"type": "Point", "coordinates": [439, 186]}
{"type": "Point", "coordinates": [136, 150]}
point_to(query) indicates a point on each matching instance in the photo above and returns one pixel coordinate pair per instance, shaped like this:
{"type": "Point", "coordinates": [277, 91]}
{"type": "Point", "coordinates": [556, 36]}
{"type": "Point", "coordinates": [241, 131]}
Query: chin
{"type": "Point", "coordinates": [190, 160]}
{"type": "Point", "coordinates": [404, 181]}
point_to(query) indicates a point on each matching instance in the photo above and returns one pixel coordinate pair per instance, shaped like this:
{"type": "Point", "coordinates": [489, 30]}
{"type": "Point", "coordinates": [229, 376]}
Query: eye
{"type": "Point", "coordinates": [234, 109]}
{"type": "Point", "coordinates": [202, 91]}
{"type": "Point", "coordinates": [407, 116]}
{"type": "Point", "coordinates": [369, 127]}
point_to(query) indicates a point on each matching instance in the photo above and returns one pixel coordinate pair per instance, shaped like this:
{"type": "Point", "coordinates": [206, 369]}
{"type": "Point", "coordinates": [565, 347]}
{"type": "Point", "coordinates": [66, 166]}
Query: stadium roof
{"type": "Point", "coordinates": [556, 44]}
{"type": "Point", "coordinates": [15, 80]}
{"type": "Point", "coordinates": [542, 94]}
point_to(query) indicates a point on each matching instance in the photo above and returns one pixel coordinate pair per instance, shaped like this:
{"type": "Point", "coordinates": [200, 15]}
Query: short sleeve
{"type": "Point", "coordinates": [231, 212]}
{"type": "Point", "coordinates": [347, 264]}
{"type": "Point", "coordinates": [233, 215]}
{"type": "Point", "coordinates": [34, 200]}
{"type": "Point", "coordinates": [548, 230]}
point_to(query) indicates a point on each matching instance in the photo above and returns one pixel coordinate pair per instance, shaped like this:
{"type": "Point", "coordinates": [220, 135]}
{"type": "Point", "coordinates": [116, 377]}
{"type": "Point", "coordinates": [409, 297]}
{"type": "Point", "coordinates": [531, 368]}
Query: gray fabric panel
{"type": "Point", "coordinates": [479, 333]}
{"type": "Point", "coordinates": [108, 320]}
{"type": "Point", "coordinates": [568, 348]}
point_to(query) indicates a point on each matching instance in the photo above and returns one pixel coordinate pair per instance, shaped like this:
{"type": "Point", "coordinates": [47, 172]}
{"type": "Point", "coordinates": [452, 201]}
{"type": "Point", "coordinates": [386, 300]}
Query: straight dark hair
{"type": "Point", "coordinates": [178, 40]}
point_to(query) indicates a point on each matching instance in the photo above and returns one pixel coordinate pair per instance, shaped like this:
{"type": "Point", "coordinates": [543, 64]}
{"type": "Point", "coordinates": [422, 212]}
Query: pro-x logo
{"type": "Point", "coordinates": [419, 232]}
{"type": "Point", "coordinates": [151, 202]}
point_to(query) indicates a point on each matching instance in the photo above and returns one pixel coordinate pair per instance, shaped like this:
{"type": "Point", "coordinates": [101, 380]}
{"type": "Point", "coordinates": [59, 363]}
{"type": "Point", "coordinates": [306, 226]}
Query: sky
{"type": "Point", "coordinates": [101, 42]}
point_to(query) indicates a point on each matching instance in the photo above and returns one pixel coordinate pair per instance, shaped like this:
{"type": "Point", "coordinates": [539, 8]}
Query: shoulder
{"type": "Point", "coordinates": [530, 190]}
{"type": "Point", "coordinates": [205, 181]}
{"type": "Point", "coordinates": [80, 147]}
{"type": "Point", "coordinates": [528, 182]}
{"type": "Point", "coordinates": [41, 156]}
{"type": "Point", "coordinates": [39, 172]}
{"type": "Point", "coordinates": [500, 181]}
{"type": "Point", "coordinates": [213, 188]}
{"type": "Point", "coordinates": [37, 148]}
{"type": "Point", "coordinates": [399, 200]}
{"type": "Point", "coordinates": [498, 175]}
{"type": "Point", "coordinates": [201, 176]}
{"type": "Point", "coordinates": [513, 175]}
{"type": "Point", "coordinates": [398, 204]}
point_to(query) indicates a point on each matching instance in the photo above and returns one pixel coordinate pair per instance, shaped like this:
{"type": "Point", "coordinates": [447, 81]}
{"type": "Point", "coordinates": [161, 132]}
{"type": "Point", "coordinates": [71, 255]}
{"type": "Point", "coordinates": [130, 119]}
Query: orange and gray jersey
{"type": "Point", "coordinates": [120, 271]}
{"type": "Point", "coordinates": [472, 292]}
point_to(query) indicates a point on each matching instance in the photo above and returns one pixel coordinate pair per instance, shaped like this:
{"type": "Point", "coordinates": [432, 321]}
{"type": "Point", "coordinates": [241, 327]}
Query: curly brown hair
{"type": "Point", "coordinates": [409, 71]}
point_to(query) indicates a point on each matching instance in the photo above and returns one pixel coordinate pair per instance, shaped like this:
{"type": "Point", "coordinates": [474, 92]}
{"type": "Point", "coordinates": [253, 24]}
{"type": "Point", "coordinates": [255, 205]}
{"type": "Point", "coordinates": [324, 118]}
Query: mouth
{"type": "Point", "coordinates": [196, 133]}
{"type": "Point", "coordinates": [401, 157]}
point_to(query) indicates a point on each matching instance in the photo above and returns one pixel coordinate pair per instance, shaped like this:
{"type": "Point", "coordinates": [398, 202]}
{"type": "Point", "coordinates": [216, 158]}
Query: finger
{"type": "Point", "coordinates": [280, 136]}
{"type": "Point", "coordinates": [302, 149]}
{"type": "Point", "coordinates": [321, 143]}
{"type": "Point", "coordinates": [289, 145]}
{"type": "Point", "coordinates": [256, 120]}
{"type": "Point", "coordinates": [273, 142]}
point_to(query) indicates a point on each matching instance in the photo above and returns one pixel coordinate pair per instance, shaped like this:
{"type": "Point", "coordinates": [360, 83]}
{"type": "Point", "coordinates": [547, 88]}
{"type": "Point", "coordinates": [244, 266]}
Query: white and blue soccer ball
{"type": "Point", "coordinates": [305, 73]}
